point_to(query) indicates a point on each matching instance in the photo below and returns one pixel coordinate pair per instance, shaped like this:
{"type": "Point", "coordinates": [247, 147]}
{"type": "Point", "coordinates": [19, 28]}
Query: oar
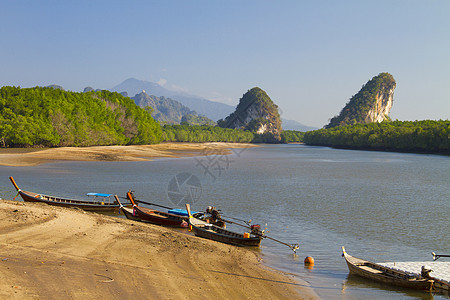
{"type": "Point", "coordinates": [293, 247]}
{"type": "Point", "coordinates": [437, 256]}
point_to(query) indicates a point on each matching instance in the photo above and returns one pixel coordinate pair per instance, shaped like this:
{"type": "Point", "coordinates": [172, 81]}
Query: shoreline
{"type": "Point", "coordinates": [16, 157]}
{"type": "Point", "coordinates": [100, 256]}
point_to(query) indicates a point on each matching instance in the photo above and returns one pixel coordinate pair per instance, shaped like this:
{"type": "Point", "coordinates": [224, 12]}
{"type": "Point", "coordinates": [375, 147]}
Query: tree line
{"type": "Point", "coordinates": [206, 133]}
{"type": "Point", "coordinates": [410, 136]}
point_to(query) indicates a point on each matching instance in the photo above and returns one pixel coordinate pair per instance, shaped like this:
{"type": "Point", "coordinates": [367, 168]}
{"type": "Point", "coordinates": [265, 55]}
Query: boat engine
{"type": "Point", "coordinates": [256, 230]}
{"type": "Point", "coordinates": [215, 217]}
{"type": "Point", "coordinates": [425, 272]}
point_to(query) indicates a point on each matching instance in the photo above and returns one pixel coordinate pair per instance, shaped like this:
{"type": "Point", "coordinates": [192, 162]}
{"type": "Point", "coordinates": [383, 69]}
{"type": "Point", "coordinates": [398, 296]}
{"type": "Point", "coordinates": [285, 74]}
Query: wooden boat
{"type": "Point", "coordinates": [101, 206]}
{"type": "Point", "coordinates": [216, 233]}
{"type": "Point", "coordinates": [154, 216]}
{"type": "Point", "coordinates": [383, 274]}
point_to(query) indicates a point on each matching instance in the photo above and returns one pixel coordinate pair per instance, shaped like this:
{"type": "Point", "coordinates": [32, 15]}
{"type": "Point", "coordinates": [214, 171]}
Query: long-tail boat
{"type": "Point", "coordinates": [377, 272]}
{"type": "Point", "coordinates": [216, 233]}
{"type": "Point", "coordinates": [154, 216]}
{"type": "Point", "coordinates": [101, 206]}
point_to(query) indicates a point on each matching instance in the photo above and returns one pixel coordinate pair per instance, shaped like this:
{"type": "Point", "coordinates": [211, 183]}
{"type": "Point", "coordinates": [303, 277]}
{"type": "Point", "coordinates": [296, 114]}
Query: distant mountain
{"type": "Point", "coordinates": [165, 110]}
{"type": "Point", "coordinates": [211, 109]}
{"type": "Point", "coordinates": [134, 86]}
{"type": "Point", "coordinates": [294, 125]}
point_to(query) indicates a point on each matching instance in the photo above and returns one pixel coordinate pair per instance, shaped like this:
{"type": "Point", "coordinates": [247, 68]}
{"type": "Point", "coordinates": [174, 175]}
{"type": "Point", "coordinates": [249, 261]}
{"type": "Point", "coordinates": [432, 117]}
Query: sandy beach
{"type": "Point", "coordinates": [49, 252]}
{"type": "Point", "coordinates": [31, 157]}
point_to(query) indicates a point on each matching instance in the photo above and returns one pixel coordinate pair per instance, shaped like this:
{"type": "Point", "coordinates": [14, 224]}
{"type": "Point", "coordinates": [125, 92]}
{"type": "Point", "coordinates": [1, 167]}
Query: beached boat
{"type": "Point", "coordinates": [174, 217]}
{"type": "Point", "coordinates": [103, 205]}
{"type": "Point", "coordinates": [154, 216]}
{"type": "Point", "coordinates": [213, 232]}
{"type": "Point", "coordinates": [387, 275]}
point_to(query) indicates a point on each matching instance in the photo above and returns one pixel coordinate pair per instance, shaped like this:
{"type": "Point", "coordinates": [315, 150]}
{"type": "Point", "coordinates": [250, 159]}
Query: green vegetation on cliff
{"type": "Point", "coordinates": [53, 117]}
{"type": "Point", "coordinates": [357, 109]}
{"type": "Point", "coordinates": [419, 136]}
{"type": "Point", "coordinates": [256, 112]}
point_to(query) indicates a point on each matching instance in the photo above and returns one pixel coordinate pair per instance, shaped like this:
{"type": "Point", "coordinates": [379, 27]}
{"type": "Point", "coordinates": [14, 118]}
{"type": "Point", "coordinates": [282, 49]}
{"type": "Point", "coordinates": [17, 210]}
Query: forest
{"type": "Point", "coordinates": [50, 117]}
{"type": "Point", "coordinates": [206, 133]}
{"type": "Point", "coordinates": [199, 134]}
{"type": "Point", "coordinates": [426, 136]}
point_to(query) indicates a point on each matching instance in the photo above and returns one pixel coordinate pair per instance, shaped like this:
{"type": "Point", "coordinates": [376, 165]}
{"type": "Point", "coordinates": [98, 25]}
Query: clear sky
{"type": "Point", "coordinates": [309, 56]}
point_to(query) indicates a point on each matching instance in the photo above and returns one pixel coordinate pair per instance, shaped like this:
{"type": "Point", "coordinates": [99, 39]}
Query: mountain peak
{"type": "Point", "coordinates": [371, 104]}
{"type": "Point", "coordinates": [256, 112]}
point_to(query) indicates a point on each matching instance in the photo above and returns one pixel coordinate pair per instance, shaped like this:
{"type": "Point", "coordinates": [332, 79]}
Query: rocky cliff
{"type": "Point", "coordinates": [371, 104]}
{"type": "Point", "coordinates": [165, 109]}
{"type": "Point", "coordinates": [256, 112]}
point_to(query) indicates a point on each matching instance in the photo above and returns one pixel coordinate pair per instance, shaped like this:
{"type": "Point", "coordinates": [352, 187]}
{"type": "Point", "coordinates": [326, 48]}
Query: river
{"type": "Point", "coordinates": [381, 206]}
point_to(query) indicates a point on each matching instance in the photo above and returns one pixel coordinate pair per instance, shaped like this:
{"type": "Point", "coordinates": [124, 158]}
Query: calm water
{"type": "Point", "coordinates": [380, 206]}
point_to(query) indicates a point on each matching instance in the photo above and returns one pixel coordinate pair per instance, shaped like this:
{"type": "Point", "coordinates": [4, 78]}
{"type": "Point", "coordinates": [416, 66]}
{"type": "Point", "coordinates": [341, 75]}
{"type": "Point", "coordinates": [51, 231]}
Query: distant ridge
{"type": "Point", "coordinates": [294, 125]}
{"type": "Point", "coordinates": [211, 109]}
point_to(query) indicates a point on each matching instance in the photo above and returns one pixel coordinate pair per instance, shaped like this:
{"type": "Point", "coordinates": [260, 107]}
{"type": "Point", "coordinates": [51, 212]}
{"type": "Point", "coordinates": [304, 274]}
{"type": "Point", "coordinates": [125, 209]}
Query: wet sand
{"type": "Point", "coordinates": [49, 252]}
{"type": "Point", "coordinates": [31, 157]}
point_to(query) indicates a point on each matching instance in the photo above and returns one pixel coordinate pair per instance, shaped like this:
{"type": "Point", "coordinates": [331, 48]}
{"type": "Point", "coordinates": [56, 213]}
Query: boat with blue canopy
{"type": "Point", "coordinates": [102, 203]}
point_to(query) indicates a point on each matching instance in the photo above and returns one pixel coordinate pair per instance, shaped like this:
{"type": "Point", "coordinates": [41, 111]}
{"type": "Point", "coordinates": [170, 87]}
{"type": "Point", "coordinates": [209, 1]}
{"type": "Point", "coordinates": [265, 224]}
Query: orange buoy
{"type": "Point", "coordinates": [309, 260]}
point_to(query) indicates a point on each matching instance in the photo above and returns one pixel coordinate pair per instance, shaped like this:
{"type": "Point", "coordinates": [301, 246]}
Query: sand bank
{"type": "Point", "coordinates": [56, 253]}
{"type": "Point", "coordinates": [24, 157]}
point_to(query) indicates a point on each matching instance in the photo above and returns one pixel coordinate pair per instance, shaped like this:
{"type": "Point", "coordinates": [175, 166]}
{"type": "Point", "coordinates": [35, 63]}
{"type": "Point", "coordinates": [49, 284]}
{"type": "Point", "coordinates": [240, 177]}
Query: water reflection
{"type": "Point", "coordinates": [356, 284]}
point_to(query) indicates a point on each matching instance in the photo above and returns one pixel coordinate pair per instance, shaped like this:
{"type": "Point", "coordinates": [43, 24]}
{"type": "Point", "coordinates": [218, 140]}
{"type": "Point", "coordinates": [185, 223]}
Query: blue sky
{"type": "Point", "coordinates": [309, 56]}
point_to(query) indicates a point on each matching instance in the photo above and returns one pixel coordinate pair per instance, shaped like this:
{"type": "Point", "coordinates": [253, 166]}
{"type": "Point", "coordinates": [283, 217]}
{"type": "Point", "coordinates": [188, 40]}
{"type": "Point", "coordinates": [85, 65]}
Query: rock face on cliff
{"type": "Point", "coordinates": [165, 109]}
{"type": "Point", "coordinates": [371, 104]}
{"type": "Point", "coordinates": [256, 112]}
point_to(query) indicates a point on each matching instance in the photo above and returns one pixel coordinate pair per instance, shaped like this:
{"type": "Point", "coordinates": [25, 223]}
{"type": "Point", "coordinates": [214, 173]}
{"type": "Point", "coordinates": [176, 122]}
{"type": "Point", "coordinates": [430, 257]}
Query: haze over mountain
{"type": "Point", "coordinates": [294, 125]}
{"type": "Point", "coordinates": [211, 109]}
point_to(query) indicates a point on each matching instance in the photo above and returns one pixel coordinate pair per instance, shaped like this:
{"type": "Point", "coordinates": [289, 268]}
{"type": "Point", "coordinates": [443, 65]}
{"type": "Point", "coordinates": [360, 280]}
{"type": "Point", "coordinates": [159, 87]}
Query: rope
{"type": "Point", "coordinates": [246, 222]}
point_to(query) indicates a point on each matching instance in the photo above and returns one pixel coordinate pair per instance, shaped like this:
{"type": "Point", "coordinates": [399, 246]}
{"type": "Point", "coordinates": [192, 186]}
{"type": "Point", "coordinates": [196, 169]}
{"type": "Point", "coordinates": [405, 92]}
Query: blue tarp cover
{"type": "Point", "coordinates": [99, 194]}
{"type": "Point", "coordinates": [180, 212]}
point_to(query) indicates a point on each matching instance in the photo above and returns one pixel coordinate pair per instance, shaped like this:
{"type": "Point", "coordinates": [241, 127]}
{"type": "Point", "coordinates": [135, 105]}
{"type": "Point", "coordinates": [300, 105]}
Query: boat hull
{"type": "Point", "coordinates": [128, 212]}
{"type": "Point", "coordinates": [376, 272]}
{"type": "Point", "coordinates": [84, 205]}
{"type": "Point", "coordinates": [228, 238]}
{"type": "Point", "coordinates": [159, 218]}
